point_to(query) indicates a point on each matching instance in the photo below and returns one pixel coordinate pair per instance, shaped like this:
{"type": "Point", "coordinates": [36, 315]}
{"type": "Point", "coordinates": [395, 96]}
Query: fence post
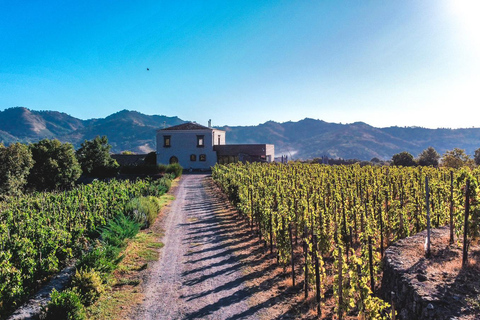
{"type": "Point", "coordinates": [465, 228]}
{"type": "Point", "coordinates": [427, 203]}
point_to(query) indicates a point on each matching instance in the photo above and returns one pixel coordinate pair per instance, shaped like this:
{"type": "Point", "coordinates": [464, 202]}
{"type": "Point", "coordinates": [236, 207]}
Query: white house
{"type": "Point", "coordinates": [197, 147]}
{"type": "Point", "coordinates": [189, 144]}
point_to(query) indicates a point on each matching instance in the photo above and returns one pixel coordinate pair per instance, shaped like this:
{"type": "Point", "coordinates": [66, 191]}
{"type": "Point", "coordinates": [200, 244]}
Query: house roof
{"type": "Point", "coordinates": [188, 126]}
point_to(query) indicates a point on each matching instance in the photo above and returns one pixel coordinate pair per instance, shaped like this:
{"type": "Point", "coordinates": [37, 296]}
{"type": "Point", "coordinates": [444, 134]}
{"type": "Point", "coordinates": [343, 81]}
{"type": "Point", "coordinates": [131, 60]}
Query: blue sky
{"type": "Point", "coordinates": [406, 63]}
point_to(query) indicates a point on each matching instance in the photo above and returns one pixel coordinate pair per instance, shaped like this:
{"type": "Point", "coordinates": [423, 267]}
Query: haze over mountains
{"type": "Point", "coordinates": [305, 139]}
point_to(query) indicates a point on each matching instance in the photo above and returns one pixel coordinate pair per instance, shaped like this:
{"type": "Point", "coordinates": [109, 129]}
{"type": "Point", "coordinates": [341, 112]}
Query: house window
{"type": "Point", "coordinates": [173, 160]}
{"type": "Point", "coordinates": [202, 157]}
{"type": "Point", "coordinates": [166, 141]}
{"type": "Point", "coordinates": [200, 141]}
{"type": "Point", "coordinates": [218, 139]}
{"type": "Point", "coordinates": [193, 157]}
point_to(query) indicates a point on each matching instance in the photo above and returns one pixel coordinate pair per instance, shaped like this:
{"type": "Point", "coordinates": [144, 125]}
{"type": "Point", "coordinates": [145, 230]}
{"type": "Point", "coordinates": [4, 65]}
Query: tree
{"type": "Point", "coordinates": [15, 164]}
{"type": "Point", "coordinates": [456, 158]}
{"type": "Point", "coordinates": [151, 158]}
{"type": "Point", "coordinates": [428, 157]}
{"type": "Point", "coordinates": [56, 166]}
{"type": "Point", "coordinates": [94, 157]}
{"type": "Point", "coordinates": [476, 156]}
{"type": "Point", "coordinates": [403, 159]}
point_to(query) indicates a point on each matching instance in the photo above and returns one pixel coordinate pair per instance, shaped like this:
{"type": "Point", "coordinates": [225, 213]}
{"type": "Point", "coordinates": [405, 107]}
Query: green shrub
{"type": "Point", "coordinates": [88, 284]}
{"type": "Point", "coordinates": [160, 186]}
{"type": "Point", "coordinates": [65, 305]}
{"type": "Point", "coordinates": [162, 168]}
{"type": "Point", "coordinates": [174, 168]}
{"type": "Point", "coordinates": [103, 258]}
{"type": "Point", "coordinates": [143, 210]}
{"type": "Point", "coordinates": [119, 229]}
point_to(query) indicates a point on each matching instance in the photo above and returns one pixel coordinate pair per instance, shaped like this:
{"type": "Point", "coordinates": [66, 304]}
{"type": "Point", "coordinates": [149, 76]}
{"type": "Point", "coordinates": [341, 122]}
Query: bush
{"type": "Point", "coordinates": [95, 159]}
{"type": "Point", "coordinates": [174, 168]}
{"type": "Point", "coordinates": [162, 168]}
{"type": "Point", "coordinates": [88, 284]}
{"type": "Point", "coordinates": [65, 305]}
{"type": "Point", "coordinates": [160, 186]}
{"type": "Point", "coordinates": [143, 210]}
{"type": "Point", "coordinates": [119, 229]}
{"type": "Point", "coordinates": [103, 259]}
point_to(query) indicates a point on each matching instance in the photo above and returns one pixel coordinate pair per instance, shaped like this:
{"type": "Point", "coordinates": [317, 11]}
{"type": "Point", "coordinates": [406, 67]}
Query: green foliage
{"type": "Point", "coordinates": [151, 158]}
{"type": "Point", "coordinates": [162, 168]}
{"type": "Point", "coordinates": [456, 158]}
{"type": "Point", "coordinates": [174, 168]}
{"type": "Point", "coordinates": [89, 285]}
{"type": "Point", "coordinates": [40, 231]}
{"type": "Point", "coordinates": [476, 157]}
{"type": "Point", "coordinates": [383, 204]}
{"type": "Point", "coordinates": [118, 229]}
{"type": "Point", "coordinates": [428, 157]}
{"type": "Point", "coordinates": [404, 159]}
{"type": "Point", "coordinates": [143, 210]}
{"type": "Point", "coordinates": [11, 283]}
{"type": "Point", "coordinates": [160, 186]}
{"type": "Point", "coordinates": [103, 258]}
{"type": "Point", "coordinates": [65, 305]}
{"type": "Point", "coordinates": [15, 164]}
{"type": "Point", "coordinates": [55, 168]}
{"type": "Point", "coordinates": [94, 157]}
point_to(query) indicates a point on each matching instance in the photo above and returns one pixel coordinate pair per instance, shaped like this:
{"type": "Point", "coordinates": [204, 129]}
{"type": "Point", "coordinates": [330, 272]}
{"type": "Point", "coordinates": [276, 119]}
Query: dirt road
{"type": "Point", "coordinates": [198, 276]}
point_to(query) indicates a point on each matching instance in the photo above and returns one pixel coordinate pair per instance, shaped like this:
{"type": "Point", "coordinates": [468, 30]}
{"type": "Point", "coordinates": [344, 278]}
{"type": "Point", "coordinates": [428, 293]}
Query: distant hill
{"type": "Point", "coordinates": [126, 130]}
{"type": "Point", "coordinates": [305, 139]}
{"type": "Point", "coordinates": [309, 138]}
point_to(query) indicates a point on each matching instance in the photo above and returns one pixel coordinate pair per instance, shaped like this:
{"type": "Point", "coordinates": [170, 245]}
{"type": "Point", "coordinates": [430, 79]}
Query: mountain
{"type": "Point", "coordinates": [125, 130]}
{"type": "Point", "coordinates": [309, 138]}
{"type": "Point", "coordinates": [304, 139]}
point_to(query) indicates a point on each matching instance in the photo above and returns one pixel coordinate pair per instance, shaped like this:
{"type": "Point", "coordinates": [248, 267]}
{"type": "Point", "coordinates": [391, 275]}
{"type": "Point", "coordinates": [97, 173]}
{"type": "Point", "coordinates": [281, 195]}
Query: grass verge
{"type": "Point", "coordinates": [124, 294]}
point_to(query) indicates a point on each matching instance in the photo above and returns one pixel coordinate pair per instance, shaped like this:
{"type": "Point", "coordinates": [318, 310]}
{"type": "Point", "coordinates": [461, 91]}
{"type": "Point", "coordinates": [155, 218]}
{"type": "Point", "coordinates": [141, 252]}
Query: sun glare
{"type": "Point", "coordinates": [467, 16]}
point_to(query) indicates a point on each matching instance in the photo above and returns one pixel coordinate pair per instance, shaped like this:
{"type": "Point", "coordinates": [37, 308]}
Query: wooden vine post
{"type": "Point", "coordinates": [451, 208]}
{"type": "Point", "coordinates": [465, 227]}
{"type": "Point", "coordinates": [317, 273]}
{"type": "Point", "coordinates": [381, 230]}
{"type": "Point", "coordinates": [305, 252]}
{"type": "Point", "coordinates": [370, 263]}
{"type": "Point", "coordinates": [427, 200]}
{"type": "Point", "coordinates": [291, 253]}
{"type": "Point", "coordinates": [340, 282]}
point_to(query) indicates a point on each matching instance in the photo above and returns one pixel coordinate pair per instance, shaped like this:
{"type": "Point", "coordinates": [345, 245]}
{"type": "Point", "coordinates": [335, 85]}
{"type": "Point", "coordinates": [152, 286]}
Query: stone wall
{"type": "Point", "coordinates": [416, 294]}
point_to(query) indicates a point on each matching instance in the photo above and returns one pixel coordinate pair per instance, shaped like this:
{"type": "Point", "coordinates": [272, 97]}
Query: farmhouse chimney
{"type": "Point", "coordinates": [209, 123]}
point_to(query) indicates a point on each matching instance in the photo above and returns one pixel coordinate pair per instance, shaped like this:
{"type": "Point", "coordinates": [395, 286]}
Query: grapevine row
{"type": "Point", "coordinates": [40, 232]}
{"type": "Point", "coordinates": [336, 211]}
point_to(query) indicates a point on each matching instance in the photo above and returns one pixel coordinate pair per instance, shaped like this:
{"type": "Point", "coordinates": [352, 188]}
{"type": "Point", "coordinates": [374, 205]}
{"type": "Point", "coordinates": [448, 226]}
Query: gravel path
{"type": "Point", "coordinates": [197, 275]}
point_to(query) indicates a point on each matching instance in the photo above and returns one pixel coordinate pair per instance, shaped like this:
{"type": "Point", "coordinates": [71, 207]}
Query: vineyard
{"type": "Point", "coordinates": [41, 232]}
{"type": "Point", "coordinates": [341, 219]}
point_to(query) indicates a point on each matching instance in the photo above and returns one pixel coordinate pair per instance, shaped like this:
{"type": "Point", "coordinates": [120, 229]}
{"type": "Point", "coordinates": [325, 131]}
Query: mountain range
{"type": "Point", "coordinates": [304, 139]}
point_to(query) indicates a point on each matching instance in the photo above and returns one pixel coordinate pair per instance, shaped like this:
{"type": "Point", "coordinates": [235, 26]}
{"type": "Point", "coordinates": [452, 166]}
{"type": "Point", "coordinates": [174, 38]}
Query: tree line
{"type": "Point", "coordinates": [53, 165]}
{"type": "Point", "coordinates": [455, 159]}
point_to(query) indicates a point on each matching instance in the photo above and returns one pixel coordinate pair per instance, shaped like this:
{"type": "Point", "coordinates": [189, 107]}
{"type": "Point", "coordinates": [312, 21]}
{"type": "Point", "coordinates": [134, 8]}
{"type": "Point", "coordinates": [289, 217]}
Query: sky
{"type": "Point", "coordinates": [386, 63]}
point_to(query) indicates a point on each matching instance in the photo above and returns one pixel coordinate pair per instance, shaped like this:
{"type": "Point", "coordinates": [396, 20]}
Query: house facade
{"type": "Point", "coordinates": [197, 147]}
